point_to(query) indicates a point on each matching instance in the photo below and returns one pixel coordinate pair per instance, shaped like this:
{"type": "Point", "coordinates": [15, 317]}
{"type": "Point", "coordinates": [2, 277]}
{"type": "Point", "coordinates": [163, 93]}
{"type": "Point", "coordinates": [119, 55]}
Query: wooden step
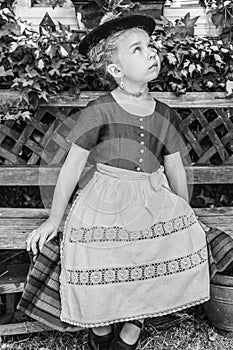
{"type": "Point", "coordinates": [22, 328]}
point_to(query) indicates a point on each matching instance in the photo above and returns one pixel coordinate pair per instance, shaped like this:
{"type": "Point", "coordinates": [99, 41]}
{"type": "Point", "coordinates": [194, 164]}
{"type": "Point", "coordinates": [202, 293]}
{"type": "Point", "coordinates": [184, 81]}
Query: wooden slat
{"type": "Point", "coordinates": [210, 174]}
{"type": "Point", "coordinates": [24, 213]}
{"type": "Point", "coordinates": [47, 176]}
{"type": "Point", "coordinates": [23, 328]}
{"type": "Point", "coordinates": [29, 327]}
{"type": "Point", "coordinates": [11, 287]}
{"type": "Point", "coordinates": [14, 230]}
{"type": "Point", "coordinates": [188, 100]}
{"type": "Point", "coordinates": [28, 175]}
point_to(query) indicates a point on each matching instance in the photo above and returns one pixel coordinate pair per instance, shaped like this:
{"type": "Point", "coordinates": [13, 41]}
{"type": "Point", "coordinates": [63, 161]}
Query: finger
{"type": "Point", "coordinates": [42, 241]}
{"type": "Point", "coordinates": [34, 258]}
{"type": "Point", "coordinates": [34, 242]}
{"type": "Point", "coordinates": [29, 239]}
{"type": "Point", "coordinates": [53, 234]}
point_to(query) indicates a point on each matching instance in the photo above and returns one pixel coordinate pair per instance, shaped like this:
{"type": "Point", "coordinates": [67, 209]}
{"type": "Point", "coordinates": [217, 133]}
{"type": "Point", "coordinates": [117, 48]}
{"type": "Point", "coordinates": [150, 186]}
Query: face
{"type": "Point", "coordinates": [138, 61]}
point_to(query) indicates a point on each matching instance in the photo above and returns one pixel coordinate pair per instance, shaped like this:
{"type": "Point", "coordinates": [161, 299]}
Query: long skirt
{"type": "Point", "coordinates": [131, 249]}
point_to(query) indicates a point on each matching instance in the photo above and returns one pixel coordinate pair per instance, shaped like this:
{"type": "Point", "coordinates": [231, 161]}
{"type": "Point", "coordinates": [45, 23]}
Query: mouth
{"type": "Point", "coordinates": [154, 65]}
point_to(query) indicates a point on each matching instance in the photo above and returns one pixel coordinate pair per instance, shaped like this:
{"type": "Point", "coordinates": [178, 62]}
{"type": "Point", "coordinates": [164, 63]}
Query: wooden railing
{"type": "Point", "coordinates": [206, 120]}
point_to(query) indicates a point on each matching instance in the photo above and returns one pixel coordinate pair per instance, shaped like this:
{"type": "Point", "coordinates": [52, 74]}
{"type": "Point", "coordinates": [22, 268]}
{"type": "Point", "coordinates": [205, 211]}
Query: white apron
{"type": "Point", "coordinates": [131, 249]}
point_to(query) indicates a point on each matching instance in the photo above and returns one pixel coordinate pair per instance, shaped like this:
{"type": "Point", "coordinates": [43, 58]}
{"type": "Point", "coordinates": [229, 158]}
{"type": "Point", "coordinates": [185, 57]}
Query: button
{"type": "Point", "coordinates": [138, 168]}
{"type": "Point", "coordinates": [141, 127]}
{"type": "Point", "coordinates": [142, 135]}
{"type": "Point", "coordinates": [140, 160]}
{"type": "Point", "coordinates": [142, 142]}
{"type": "Point", "coordinates": [142, 150]}
{"type": "Point", "coordinates": [141, 119]}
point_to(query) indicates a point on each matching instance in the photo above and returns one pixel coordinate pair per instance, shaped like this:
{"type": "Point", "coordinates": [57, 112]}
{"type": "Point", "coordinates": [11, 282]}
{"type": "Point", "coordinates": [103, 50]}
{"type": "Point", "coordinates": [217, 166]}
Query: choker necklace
{"type": "Point", "coordinates": [134, 94]}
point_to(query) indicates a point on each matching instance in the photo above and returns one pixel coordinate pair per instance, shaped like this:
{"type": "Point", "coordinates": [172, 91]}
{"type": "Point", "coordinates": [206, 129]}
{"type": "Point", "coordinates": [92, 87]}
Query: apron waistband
{"type": "Point", "coordinates": [155, 178]}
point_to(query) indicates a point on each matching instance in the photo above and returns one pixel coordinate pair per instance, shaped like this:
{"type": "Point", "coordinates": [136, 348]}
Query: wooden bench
{"type": "Point", "coordinates": [16, 223]}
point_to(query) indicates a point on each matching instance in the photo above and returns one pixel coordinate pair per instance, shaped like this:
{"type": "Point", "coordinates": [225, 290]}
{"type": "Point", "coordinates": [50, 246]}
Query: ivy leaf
{"type": "Point", "coordinates": [54, 71]}
{"type": "Point", "coordinates": [192, 68]}
{"type": "Point", "coordinates": [184, 72]}
{"type": "Point", "coordinates": [186, 63]}
{"type": "Point", "coordinates": [32, 73]}
{"type": "Point", "coordinates": [229, 88]}
{"type": "Point", "coordinates": [63, 52]}
{"type": "Point", "coordinates": [51, 51]}
{"type": "Point", "coordinates": [218, 58]}
{"type": "Point", "coordinates": [217, 18]}
{"type": "Point", "coordinates": [44, 95]}
{"type": "Point", "coordinates": [210, 84]}
{"type": "Point", "coordinates": [40, 64]}
{"type": "Point", "coordinates": [209, 70]}
{"type": "Point", "coordinates": [13, 47]}
{"type": "Point", "coordinates": [188, 21]}
{"type": "Point", "coordinates": [171, 58]}
{"type": "Point", "coordinates": [214, 48]}
{"type": "Point", "coordinates": [25, 115]}
{"type": "Point", "coordinates": [5, 73]}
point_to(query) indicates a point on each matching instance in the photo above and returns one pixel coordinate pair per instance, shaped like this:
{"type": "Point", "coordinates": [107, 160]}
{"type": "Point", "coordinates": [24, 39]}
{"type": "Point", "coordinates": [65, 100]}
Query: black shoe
{"type": "Point", "coordinates": [120, 344]}
{"type": "Point", "coordinates": [99, 342]}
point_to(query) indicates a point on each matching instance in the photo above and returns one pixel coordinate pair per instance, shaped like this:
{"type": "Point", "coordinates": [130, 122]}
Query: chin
{"type": "Point", "coordinates": [155, 75]}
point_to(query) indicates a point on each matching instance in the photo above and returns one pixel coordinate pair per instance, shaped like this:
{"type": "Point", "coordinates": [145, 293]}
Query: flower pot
{"type": "Point", "coordinates": [219, 309]}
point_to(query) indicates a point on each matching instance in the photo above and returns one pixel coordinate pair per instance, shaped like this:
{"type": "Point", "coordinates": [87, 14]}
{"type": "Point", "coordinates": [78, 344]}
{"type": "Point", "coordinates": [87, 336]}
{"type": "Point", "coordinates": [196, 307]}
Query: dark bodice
{"type": "Point", "coordinates": [121, 139]}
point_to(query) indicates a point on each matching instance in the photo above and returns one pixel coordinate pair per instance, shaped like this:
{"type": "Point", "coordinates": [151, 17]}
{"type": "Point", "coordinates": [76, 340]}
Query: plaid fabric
{"type": "Point", "coordinates": [41, 297]}
{"type": "Point", "coordinates": [220, 251]}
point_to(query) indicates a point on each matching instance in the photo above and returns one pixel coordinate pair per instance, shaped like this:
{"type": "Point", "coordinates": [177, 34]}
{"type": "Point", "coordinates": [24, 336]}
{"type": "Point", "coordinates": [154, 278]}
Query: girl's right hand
{"type": "Point", "coordinates": [39, 236]}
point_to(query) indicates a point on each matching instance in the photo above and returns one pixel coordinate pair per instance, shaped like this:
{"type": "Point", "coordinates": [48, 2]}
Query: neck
{"type": "Point", "coordinates": [138, 93]}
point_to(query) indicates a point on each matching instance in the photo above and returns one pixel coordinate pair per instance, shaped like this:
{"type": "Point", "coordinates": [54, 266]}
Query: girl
{"type": "Point", "coordinates": [132, 246]}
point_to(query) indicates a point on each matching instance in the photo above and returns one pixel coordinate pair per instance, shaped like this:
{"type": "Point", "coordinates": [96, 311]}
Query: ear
{"type": "Point", "coordinates": [114, 70]}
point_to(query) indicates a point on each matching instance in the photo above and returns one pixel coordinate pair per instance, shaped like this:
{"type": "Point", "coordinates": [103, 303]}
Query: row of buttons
{"type": "Point", "coordinates": [142, 150]}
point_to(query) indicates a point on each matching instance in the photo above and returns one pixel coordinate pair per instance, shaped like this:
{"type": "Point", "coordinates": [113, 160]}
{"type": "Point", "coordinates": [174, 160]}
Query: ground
{"type": "Point", "coordinates": [186, 331]}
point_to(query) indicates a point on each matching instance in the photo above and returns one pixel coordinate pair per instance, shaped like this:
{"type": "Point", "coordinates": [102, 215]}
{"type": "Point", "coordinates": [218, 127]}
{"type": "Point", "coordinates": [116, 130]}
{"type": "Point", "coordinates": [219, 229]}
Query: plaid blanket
{"type": "Point", "coordinates": [41, 298]}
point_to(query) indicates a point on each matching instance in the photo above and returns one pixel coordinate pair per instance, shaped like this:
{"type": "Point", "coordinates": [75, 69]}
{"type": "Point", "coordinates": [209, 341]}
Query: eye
{"type": "Point", "coordinates": [151, 46]}
{"type": "Point", "coordinates": [137, 48]}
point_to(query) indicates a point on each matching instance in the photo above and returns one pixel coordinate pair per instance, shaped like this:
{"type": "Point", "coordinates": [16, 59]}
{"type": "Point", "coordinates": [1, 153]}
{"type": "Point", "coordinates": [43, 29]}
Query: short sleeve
{"type": "Point", "coordinates": [173, 138]}
{"type": "Point", "coordinates": [88, 124]}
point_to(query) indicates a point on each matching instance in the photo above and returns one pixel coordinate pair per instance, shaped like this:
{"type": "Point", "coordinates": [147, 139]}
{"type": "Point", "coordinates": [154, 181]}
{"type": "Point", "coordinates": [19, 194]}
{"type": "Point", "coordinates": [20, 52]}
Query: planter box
{"type": "Point", "coordinates": [201, 27]}
{"type": "Point", "coordinates": [34, 15]}
{"type": "Point", "coordinates": [91, 13]}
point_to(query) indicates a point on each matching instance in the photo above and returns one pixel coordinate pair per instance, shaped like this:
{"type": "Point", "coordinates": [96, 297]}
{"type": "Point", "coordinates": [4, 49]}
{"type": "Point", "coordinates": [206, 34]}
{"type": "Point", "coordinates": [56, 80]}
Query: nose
{"type": "Point", "coordinates": [152, 53]}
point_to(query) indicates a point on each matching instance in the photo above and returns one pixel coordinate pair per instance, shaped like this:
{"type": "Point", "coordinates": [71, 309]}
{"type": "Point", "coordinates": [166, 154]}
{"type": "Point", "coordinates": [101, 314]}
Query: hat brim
{"type": "Point", "coordinates": [108, 28]}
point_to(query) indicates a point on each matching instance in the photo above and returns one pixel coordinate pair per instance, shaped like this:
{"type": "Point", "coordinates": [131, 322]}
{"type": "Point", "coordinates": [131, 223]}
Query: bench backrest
{"type": "Point", "coordinates": [16, 223]}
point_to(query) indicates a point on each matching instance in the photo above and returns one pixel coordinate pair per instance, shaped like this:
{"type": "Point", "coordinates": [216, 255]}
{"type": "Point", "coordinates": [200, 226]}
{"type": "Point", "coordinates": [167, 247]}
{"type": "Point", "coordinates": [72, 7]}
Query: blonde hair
{"type": "Point", "coordinates": [103, 54]}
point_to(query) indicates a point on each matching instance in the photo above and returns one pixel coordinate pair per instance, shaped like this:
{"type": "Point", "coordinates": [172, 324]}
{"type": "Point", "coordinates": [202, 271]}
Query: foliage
{"type": "Point", "coordinates": [191, 63]}
{"type": "Point", "coordinates": [55, 3]}
{"type": "Point", "coordinates": [185, 25]}
{"type": "Point", "coordinates": [221, 12]}
{"type": "Point", "coordinates": [98, 11]}
{"type": "Point", "coordinates": [41, 64]}
{"type": "Point", "coordinates": [116, 6]}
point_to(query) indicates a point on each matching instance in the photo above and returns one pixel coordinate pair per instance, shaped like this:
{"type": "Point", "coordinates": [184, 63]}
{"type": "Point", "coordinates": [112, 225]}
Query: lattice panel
{"type": "Point", "coordinates": [209, 133]}
{"type": "Point", "coordinates": [30, 142]}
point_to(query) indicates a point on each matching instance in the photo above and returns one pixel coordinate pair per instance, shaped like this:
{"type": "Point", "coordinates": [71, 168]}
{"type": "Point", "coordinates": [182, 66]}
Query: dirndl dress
{"type": "Point", "coordinates": [131, 249]}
